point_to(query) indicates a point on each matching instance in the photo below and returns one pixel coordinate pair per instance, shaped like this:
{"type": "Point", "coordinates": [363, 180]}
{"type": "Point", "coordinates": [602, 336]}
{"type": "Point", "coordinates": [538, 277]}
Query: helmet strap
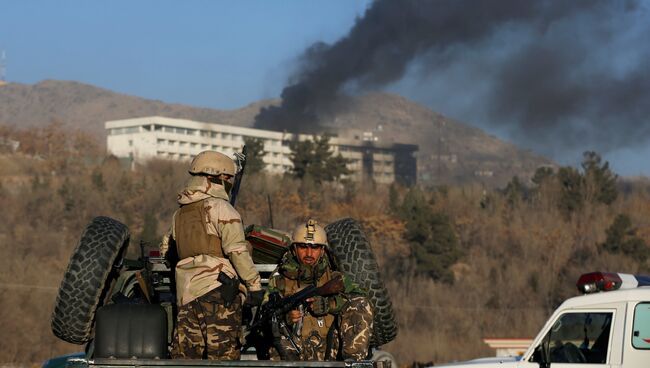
{"type": "Point", "coordinates": [219, 181]}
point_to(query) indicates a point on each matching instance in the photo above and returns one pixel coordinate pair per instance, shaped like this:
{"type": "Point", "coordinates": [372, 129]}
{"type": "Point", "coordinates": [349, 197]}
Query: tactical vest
{"type": "Point", "coordinates": [313, 328]}
{"type": "Point", "coordinates": [192, 238]}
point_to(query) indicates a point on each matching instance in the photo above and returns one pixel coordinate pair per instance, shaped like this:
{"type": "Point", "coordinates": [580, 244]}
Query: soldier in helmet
{"type": "Point", "coordinates": [213, 256]}
{"type": "Point", "coordinates": [330, 328]}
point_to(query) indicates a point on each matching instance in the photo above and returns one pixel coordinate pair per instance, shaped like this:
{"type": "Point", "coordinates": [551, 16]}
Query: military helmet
{"type": "Point", "coordinates": [212, 163]}
{"type": "Point", "coordinates": [309, 233]}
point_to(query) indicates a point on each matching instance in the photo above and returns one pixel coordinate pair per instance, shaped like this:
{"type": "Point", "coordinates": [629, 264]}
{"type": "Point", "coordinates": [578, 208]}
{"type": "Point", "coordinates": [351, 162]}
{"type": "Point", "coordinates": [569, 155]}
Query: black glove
{"type": "Point", "coordinates": [320, 306]}
{"type": "Point", "coordinates": [229, 288]}
{"type": "Point", "coordinates": [255, 298]}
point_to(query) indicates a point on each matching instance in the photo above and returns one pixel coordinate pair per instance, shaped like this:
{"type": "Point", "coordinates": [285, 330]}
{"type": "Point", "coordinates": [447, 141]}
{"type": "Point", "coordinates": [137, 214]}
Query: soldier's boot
{"type": "Point", "coordinates": [356, 327]}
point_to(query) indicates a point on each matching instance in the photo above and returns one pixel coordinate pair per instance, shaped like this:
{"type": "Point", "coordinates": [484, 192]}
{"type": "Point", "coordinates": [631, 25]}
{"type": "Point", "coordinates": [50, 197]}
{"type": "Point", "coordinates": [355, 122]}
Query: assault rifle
{"type": "Point", "coordinates": [278, 306]}
{"type": "Point", "coordinates": [275, 310]}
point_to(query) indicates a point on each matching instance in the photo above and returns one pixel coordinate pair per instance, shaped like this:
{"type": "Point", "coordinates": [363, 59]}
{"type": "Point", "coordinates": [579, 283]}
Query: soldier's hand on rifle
{"type": "Point", "coordinates": [319, 305]}
{"type": "Point", "coordinates": [255, 298]}
{"type": "Point", "coordinates": [294, 316]}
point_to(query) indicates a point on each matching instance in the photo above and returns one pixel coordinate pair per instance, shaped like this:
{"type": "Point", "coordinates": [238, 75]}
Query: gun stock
{"type": "Point", "coordinates": [333, 286]}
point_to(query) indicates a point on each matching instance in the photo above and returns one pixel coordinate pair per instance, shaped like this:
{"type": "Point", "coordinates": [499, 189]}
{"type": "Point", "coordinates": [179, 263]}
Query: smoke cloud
{"type": "Point", "coordinates": [553, 73]}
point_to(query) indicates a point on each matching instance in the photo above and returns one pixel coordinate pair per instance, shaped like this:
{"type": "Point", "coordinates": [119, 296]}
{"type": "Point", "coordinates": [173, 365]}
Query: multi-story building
{"type": "Point", "coordinates": [141, 139]}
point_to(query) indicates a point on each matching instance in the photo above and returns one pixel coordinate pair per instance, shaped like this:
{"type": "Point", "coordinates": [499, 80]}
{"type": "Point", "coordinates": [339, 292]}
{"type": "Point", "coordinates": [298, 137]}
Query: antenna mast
{"type": "Point", "coordinates": [3, 67]}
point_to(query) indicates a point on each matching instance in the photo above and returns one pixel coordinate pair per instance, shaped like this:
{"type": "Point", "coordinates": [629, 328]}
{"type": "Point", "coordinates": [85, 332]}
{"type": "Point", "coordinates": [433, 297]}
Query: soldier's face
{"type": "Point", "coordinates": [308, 254]}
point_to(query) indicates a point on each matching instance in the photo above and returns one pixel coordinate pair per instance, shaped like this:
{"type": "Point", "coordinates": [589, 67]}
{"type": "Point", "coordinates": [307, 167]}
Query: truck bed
{"type": "Point", "coordinates": [130, 363]}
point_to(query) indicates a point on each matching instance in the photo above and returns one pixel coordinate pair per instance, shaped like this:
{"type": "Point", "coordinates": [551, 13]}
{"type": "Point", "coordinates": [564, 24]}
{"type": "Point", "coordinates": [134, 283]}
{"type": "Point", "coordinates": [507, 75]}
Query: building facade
{"type": "Point", "coordinates": [141, 139]}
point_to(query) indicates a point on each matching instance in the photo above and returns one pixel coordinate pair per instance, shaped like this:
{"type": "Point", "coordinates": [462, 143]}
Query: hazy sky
{"type": "Point", "coordinates": [227, 54]}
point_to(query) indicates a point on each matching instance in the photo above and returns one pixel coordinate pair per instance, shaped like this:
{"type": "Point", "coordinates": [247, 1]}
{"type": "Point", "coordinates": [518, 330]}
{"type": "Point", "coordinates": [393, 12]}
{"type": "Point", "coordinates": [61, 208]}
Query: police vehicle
{"type": "Point", "coordinates": [607, 326]}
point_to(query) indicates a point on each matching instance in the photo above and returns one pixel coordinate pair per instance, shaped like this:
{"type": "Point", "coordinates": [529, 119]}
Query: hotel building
{"type": "Point", "coordinates": [141, 139]}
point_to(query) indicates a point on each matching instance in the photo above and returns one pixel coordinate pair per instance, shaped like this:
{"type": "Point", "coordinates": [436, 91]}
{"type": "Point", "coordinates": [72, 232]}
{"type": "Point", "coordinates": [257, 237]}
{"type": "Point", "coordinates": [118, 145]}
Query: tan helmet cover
{"type": "Point", "coordinates": [310, 233]}
{"type": "Point", "coordinates": [212, 163]}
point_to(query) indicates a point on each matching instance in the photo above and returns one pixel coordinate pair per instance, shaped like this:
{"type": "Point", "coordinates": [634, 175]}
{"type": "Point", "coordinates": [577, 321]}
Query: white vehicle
{"type": "Point", "coordinates": [609, 326]}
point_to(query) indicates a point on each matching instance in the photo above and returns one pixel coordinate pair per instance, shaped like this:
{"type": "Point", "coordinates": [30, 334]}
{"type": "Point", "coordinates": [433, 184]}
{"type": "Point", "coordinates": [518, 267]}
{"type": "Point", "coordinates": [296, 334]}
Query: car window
{"type": "Point", "coordinates": [641, 327]}
{"type": "Point", "coordinates": [580, 338]}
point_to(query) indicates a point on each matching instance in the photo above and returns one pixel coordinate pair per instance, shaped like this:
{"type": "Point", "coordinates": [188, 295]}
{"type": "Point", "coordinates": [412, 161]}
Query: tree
{"type": "Point", "coordinates": [622, 239]}
{"type": "Point", "coordinates": [515, 191]}
{"type": "Point", "coordinates": [393, 199]}
{"type": "Point", "coordinates": [314, 159]}
{"type": "Point", "coordinates": [542, 174]}
{"type": "Point", "coordinates": [254, 155]}
{"type": "Point", "coordinates": [572, 184]}
{"type": "Point", "coordinates": [599, 179]}
{"type": "Point", "coordinates": [432, 237]}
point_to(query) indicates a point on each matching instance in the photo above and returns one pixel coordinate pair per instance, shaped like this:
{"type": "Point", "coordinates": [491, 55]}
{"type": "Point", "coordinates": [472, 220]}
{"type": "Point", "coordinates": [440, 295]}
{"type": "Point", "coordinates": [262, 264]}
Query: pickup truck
{"type": "Point", "coordinates": [123, 309]}
{"type": "Point", "coordinates": [608, 326]}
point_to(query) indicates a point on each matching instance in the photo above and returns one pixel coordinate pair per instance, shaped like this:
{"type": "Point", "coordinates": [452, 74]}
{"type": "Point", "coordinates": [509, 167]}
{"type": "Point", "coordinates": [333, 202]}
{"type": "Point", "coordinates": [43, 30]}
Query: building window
{"type": "Point", "coordinates": [190, 131]}
{"type": "Point", "coordinates": [168, 129]}
{"type": "Point", "coordinates": [225, 136]}
{"type": "Point", "coordinates": [213, 134]}
{"type": "Point", "coordinates": [171, 143]}
{"type": "Point", "coordinates": [159, 141]}
{"type": "Point", "coordinates": [215, 148]}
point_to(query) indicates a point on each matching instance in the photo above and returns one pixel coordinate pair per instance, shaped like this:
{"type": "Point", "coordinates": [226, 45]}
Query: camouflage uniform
{"type": "Point", "coordinates": [209, 240]}
{"type": "Point", "coordinates": [343, 333]}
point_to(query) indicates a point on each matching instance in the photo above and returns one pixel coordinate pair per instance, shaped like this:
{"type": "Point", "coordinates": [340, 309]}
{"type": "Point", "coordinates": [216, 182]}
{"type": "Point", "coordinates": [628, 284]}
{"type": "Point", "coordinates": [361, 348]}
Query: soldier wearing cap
{"type": "Point", "coordinates": [330, 328]}
{"type": "Point", "coordinates": [213, 256]}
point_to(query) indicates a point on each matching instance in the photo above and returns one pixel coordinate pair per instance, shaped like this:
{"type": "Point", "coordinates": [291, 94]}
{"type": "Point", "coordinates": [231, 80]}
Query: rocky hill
{"type": "Point", "coordinates": [449, 151]}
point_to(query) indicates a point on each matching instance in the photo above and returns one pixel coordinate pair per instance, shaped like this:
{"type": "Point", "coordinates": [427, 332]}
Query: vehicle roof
{"type": "Point", "coordinates": [626, 295]}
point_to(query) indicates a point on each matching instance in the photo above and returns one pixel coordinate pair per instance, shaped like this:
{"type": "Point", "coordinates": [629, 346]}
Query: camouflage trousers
{"type": "Point", "coordinates": [207, 329]}
{"type": "Point", "coordinates": [349, 340]}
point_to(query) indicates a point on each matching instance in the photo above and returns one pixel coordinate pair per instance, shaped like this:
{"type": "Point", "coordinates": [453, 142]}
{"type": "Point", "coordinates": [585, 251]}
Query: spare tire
{"type": "Point", "coordinates": [87, 279]}
{"type": "Point", "coordinates": [354, 257]}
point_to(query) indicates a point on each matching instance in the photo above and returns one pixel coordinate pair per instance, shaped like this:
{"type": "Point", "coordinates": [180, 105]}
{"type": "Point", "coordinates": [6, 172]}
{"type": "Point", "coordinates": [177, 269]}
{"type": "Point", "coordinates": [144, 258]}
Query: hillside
{"type": "Point", "coordinates": [87, 107]}
{"type": "Point", "coordinates": [449, 151]}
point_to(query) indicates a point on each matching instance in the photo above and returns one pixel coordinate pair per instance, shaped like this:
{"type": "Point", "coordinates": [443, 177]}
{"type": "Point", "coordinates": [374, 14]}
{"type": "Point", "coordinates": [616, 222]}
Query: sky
{"type": "Point", "coordinates": [226, 55]}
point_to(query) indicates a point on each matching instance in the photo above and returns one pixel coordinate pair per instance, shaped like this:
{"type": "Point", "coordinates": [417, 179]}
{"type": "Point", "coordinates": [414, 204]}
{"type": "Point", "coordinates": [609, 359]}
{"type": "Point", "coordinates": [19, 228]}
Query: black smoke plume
{"type": "Point", "coordinates": [554, 73]}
